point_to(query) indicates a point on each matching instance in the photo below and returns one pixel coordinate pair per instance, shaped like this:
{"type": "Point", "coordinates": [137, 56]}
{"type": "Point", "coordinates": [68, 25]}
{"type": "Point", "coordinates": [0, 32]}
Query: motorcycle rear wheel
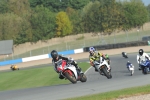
{"type": "Point", "coordinates": [132, 72]}
{"type": "Point", "coordinates": [83, 78]}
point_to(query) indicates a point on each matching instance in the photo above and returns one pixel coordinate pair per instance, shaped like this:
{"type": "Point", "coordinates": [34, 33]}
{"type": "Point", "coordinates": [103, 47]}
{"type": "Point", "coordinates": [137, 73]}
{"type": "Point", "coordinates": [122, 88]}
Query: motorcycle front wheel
{"type": "Point", "coordinates": [107, 74]}
{"type": "Point", "coordinates": [71, 78]}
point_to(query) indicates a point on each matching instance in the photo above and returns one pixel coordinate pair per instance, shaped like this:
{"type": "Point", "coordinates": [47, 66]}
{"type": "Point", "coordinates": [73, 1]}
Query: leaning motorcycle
{"type": "Point", "coordinates": [69, 72]}
{"type": "Point", "coordinates": [124, 54]}
{"type": "Point", "coordinates": [14, 67]}
{"type": "Point", "coordinates": [144, 67]}
{"type": "Point", "coordinates": [130, 69]}
{"type": "Point", "coordinates": [101, 66]}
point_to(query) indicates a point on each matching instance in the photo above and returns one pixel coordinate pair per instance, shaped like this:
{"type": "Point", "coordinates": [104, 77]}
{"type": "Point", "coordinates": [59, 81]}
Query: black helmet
{"type": "Point", "coordinates": [141, 52]}
{"type": "Point", "coordinates": [54, 54]}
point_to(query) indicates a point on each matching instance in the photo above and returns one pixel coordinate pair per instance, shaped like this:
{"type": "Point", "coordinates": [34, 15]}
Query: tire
{"type": "Point", "coordinates": [126, 56]}
{"type": "Point", "coordinates": [144, 70]}
{"type": "Point", "coordinates": [71, 78]}
{"type": "Point", "coordinates": [108, 75]}
{"type": "Point", "coordinates": [83, 78]}
{"type": "Point", "coordinates": [131, 72]}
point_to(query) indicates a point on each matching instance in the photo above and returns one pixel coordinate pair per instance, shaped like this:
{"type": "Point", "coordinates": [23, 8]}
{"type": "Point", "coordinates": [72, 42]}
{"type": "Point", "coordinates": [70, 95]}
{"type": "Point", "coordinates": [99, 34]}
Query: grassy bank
{"type": "Point", "coordinates": [34, 77]}
{"type": "Point", "coordinates": [116, 94]}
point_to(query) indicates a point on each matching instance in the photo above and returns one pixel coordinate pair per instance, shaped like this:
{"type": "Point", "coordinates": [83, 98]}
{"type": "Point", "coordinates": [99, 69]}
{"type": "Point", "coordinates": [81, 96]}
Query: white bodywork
{"type": "Point", "coordinates": [73, 69]}
{"type": "Point", "coordinates": [131, 68]}
{"type": "Point", "coordinates": [102, 62]}
{"type": "Point", "coordinates": [67, 66]}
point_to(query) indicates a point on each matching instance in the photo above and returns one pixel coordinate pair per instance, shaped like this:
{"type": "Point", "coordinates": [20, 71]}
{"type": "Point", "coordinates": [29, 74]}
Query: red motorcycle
{"type": "Point", "coordinates": [69, 72]}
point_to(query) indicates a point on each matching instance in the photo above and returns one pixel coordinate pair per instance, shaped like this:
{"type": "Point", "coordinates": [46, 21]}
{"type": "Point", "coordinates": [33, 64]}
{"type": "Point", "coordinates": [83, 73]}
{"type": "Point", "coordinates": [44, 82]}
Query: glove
{"type": "Point", "coordinates": [70, 60]}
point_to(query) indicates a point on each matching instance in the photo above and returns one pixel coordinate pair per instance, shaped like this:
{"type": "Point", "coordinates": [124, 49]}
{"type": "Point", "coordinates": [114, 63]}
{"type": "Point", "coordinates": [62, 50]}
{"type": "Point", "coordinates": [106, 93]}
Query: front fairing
{"type": "Point", "coordinates": [100, 63]}
{"type": "Point", "coordinates": [72, 68]}
{"type": "Point", "coordinates": [61, 64]}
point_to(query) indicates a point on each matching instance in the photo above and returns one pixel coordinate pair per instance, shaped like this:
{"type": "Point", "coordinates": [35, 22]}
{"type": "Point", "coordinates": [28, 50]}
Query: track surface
{"type": "Point", "coordinates": [95, 84]}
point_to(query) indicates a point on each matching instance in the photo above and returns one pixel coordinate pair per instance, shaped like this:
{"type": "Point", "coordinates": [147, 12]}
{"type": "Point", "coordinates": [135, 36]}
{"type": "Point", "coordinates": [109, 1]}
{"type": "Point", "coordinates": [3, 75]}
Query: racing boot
{"type": "Point", "coordinates": [95, 68]}
{"type": "Point", "coordinates": [140, 67]}
{"type": "Point", "coordinates": [60, 76]}
{"type": "Point", "coordinates": [78, 68]}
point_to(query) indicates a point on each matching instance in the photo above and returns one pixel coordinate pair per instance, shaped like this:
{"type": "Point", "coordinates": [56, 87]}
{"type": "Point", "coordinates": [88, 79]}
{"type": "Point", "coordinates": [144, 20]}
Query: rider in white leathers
{"type": "Point", "coordinates": [142, 57]}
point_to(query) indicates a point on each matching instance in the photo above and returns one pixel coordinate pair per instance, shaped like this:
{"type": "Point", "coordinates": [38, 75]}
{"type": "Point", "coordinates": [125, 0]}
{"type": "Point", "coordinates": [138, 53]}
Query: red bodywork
{"type": "Point", "coordinates": [61, 68]}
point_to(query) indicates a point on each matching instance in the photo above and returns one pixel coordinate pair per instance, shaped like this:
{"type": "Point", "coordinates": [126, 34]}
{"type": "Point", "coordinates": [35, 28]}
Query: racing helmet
{"type": "Point", "coordinates": [91, 51]}
{"type": "Point", "coordinates": [141, 51]}
{"type": "Point", "coordinates": [54, 54]}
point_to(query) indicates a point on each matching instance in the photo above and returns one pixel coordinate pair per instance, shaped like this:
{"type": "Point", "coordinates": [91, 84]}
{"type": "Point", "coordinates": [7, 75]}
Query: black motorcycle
{"type": "Point", "coordinates": [124, 54]}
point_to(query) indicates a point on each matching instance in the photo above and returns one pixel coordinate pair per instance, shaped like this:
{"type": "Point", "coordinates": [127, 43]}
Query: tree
{"type": "Point", "coordinates": [111, 16]}
{"type": "Point", "coordinates": [20, 7]}
{"type": "Point", "coordinates": [59, 5]}
{"type": "Point", "coordinates": [136, 14]}
{"type": "Point", "coordinates": [43, 23]}
{"type": "Point", "coordinates": [4, 8]}
{"type": "Point", "coordinates": [75, 19]}
{"type": "Point", "coordinates": [101, 16]}
{"type": "Point", "coordinates": [64, 26]}
{"type": "Point", "coordinates": [85, 16]}
{"type": "Point", "coordinates": [11, 26]}
{"type": "Point", "coordinates": [78, 4]}
{"type": "Point", "coordinates": [148, 8]}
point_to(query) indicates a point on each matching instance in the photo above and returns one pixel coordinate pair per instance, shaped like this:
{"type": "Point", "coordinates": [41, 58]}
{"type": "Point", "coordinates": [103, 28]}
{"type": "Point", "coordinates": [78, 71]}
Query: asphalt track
{"type": "Point", "coordinates": [95, 84]}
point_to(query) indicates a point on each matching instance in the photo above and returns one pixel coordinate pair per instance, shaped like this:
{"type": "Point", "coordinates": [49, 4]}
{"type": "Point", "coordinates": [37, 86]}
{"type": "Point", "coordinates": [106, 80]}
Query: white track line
{"type": "Point", "coordinates": [87, 70]}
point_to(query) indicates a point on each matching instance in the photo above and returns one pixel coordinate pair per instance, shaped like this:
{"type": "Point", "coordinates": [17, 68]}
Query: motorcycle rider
{"type": "Point", "coordinates": [129, 64]}
{"type": "Point", "coordinates": [142, 57]}
{"type": "Point", "coordinates": [14, 67]}
{"type": "Point", "coordinates": [55, 57]}
{"type": "Point", "coordinates": [94, 55]}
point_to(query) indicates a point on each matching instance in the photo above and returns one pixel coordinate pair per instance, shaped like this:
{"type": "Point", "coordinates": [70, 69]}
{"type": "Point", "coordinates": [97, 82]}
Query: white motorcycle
{"type": "Point", "coordinates": [102, 67]}
{"type": "Point", "coordinates": [130, 68]}
{"type": "Point", "coordinates": [69, 72]}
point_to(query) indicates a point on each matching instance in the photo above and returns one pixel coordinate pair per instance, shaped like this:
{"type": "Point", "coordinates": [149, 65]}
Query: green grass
{"type": "Point", "coordinates": [34, 77]}
{"type": "Point", "coordinates": [112, 95]}
{"type": "Point", "coordinates": [46, 76]}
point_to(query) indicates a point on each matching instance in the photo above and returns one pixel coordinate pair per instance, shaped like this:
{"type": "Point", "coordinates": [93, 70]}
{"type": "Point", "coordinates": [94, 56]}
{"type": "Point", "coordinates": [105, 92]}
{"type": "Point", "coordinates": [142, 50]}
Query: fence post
{"type": "Point", "coordinates": [30, 53]}
{"type": "Point", "coordinates": [148, 43]}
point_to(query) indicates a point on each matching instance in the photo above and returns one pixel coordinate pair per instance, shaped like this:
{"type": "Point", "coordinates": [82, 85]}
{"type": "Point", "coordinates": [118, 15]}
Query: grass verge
{"type": "Point", "coordinates": [128, 92]}
{"type": "Point", "coordinates": [34, 77]}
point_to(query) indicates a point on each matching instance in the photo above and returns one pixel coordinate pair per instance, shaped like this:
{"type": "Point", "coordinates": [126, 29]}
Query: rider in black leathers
{"type": "Point", "coordinates": [56, 57]}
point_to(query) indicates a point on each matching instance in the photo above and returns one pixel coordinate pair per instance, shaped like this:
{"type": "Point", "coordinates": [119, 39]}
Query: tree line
{"type": "Point", "coordinates": [34, 20]}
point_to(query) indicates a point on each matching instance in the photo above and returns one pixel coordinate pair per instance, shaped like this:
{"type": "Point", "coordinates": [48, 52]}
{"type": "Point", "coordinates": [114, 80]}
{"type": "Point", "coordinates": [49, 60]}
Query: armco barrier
{"type": "Point", "coordinates": [69, 52]}
{"type": "Point", "coordinates": [118, 45]}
